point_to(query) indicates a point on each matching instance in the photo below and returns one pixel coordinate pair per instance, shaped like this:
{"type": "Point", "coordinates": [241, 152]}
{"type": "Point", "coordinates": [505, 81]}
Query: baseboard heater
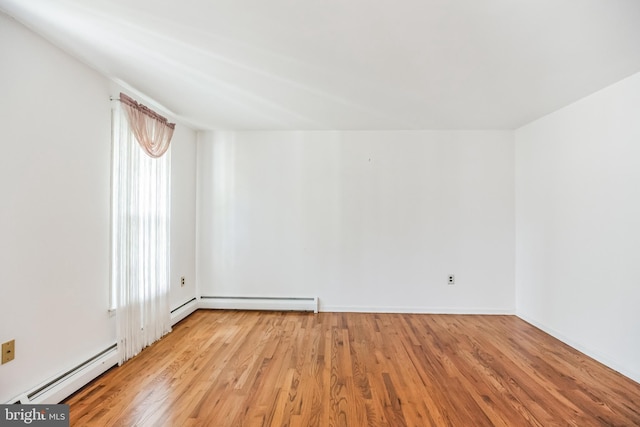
{"type": "Point", "coordinates": [58, 388]}
{"type": "Point", "coordinates": [260, 303]}
{"type": "Point", "coordinates": [184, 310]}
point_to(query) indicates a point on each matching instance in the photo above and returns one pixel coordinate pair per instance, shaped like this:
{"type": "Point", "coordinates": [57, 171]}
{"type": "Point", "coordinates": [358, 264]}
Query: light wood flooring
{"type": "Point", "coordinates": [228, 368]}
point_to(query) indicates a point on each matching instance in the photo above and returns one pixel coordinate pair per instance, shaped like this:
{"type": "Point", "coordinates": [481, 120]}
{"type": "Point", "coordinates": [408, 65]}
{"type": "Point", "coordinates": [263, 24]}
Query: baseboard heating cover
{"type": "Point", "coordinates": [179, 313]}
{"type": "Point", "coordinates": [58, 388]}
{"type": "Point", "coordinates": [260, 303]}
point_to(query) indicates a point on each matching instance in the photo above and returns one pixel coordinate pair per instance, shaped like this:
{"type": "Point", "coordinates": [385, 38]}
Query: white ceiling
{"type": "Point", "coordinates": [349, 64]}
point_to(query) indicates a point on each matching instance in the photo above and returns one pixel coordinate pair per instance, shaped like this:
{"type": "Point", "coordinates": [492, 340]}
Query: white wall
{"type": "Point", "coordinates": [363, 220]}
{"type": "Point", "coordinates": [183, 215]}
{"type": "Point", "coordinates": [54, 222]}
{"type": "Point", "coordinates": [55, 210]}
{"type": "Point", "coordinates": [578, 225]}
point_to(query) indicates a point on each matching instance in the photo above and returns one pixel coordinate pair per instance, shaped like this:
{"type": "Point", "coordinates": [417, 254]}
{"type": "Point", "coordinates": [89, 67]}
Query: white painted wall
{"type": "Point", "coordinates": [363, 220]}
{"type": "Point", "coordinates": [54, 222]}
{"type": "Point", "coordinates": [55, 210]}
{"type": "Point", "coordinates": [183, 215]}
{"type": "Point", "coordinates": [578, 225]}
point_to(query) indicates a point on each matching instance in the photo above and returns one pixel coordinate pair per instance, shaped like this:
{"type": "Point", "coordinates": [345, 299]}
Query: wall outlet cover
{"type": "Point", "coordinates": [8, 351]}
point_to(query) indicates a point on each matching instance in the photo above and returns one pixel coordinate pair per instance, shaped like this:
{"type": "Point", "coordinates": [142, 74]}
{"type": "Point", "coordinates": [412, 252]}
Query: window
{"type": "Point", "coordinates": [140, 233]}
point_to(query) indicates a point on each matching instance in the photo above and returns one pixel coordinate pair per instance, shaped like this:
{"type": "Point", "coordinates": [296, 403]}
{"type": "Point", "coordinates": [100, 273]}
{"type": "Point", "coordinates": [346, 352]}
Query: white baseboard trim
{"type": "Point", "coordinates": [181, 312]}
{"type": "Point", "coordinates": [635, 376]}
{"type": "Point", "coordinates": [414, 310]}
{"type": "Point", "coordinates": [260, 303]}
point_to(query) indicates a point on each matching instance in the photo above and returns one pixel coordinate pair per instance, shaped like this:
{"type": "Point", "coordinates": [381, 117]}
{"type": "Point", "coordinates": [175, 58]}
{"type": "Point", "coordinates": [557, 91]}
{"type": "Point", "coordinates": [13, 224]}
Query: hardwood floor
{"type": "Point", "coordinates": [225, 368]}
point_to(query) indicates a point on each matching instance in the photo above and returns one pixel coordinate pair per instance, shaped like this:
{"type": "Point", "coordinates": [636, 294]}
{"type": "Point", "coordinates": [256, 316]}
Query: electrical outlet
{"type": "Point", "coordinates": [451, 280]}
{"type": "Point", "coordinates": [8, 351]}
{"type": "Point", "coordinates": [182, 281]}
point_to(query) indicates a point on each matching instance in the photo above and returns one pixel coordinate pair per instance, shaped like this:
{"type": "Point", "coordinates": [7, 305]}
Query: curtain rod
{"type": "Point", "coordinates": [143, 108]}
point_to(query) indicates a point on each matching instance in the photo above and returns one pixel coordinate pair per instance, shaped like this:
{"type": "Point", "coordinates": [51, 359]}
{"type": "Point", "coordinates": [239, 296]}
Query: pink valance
{"type": "Point", "coordinates": [152, 130]}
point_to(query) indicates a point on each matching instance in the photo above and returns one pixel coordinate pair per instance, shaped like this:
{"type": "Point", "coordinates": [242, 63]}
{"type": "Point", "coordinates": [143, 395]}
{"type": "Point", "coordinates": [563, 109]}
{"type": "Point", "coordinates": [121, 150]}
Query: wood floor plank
{"type": "Point", "coordinates": [228, 368]}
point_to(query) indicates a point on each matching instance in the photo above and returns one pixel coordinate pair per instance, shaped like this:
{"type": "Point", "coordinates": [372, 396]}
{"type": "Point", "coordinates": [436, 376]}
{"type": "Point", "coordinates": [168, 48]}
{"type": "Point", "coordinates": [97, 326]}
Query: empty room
{"type": "Point", "coordinates": [320, 213]}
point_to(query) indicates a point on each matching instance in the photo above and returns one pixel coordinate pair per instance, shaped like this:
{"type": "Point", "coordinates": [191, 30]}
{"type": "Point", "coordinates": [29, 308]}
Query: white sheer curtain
{"type": "Point", "coordinates": [140, 245]}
